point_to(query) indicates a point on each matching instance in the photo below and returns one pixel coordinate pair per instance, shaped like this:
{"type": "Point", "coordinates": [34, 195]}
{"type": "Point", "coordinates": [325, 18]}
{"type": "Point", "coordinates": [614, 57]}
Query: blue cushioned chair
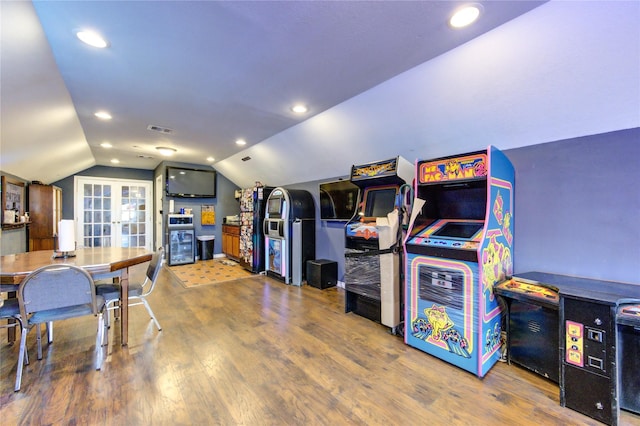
{"type": "Point", "coordinates": [55, 293]}
{"type": "Point", "coordinates": [138, 292]}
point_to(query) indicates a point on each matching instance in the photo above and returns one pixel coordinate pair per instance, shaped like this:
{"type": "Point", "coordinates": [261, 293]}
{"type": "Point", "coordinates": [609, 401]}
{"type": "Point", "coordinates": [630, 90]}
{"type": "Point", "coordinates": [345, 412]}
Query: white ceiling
{"type": "Point", "coordinates": [381, 79]}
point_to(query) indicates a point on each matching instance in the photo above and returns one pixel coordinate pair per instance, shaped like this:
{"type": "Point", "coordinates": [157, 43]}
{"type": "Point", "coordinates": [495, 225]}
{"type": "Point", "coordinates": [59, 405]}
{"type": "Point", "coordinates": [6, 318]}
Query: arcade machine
{"type": "Point", "coordinates": [290, 234]}
{"type": "Point", "coordinates": [459, 244]}
{"type": "Point", "coordinates": [372, 241]}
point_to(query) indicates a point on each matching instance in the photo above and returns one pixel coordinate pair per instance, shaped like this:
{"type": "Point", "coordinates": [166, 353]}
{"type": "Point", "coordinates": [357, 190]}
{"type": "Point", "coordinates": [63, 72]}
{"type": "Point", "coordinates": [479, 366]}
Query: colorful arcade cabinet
{"type": "Point", "coordinates": [459, 244]}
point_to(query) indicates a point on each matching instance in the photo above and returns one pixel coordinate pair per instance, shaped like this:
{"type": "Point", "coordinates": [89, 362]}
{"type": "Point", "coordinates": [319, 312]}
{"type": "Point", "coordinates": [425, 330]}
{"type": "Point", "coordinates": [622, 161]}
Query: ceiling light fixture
{"type": "Point", "coordinates": [465, 16]}
{"type": "Point", "coordinates": [211, 159]}
{"type": "Point", "coordinates": [103, 115]}
{"type": "Point", "coordinates": [115, 161]}
{"type": "Point", "coordinates": [92, 39]}
{"type": "Point", "coordinates": [241, 142]}
{"type": "Point", "coordinates": [299, 109]}
{"type": "Point", "coordinates": [106, 145]}
{"type": "Point", "coordinates": [166, 151]}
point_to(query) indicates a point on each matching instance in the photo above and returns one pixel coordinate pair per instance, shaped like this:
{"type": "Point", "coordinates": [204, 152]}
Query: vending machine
{"type": "Point", "coordinates": [290, 234]}
{"type": "Point", "coordinates": [459, 244]}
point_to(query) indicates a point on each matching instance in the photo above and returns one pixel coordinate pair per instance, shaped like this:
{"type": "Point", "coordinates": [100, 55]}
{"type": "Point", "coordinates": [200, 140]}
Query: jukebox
{"type": "Point", "coordinates": [290, 234]}
{"type": "Point", "coordinates": [459, 244]}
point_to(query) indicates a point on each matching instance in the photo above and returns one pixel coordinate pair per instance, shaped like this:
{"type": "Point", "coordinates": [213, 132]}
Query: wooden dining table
{"type": "Point", "coordinates": [100, 262]}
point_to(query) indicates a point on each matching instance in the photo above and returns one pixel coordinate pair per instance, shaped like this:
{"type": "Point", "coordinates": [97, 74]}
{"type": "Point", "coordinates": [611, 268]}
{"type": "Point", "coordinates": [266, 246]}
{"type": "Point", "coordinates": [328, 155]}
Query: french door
{"type": "Point", "coordinates": [113, 212]}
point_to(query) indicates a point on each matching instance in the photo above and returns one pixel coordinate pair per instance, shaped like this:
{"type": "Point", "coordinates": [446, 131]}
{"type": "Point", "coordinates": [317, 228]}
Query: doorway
{"type": "Point", "coordinates": [113, 212]}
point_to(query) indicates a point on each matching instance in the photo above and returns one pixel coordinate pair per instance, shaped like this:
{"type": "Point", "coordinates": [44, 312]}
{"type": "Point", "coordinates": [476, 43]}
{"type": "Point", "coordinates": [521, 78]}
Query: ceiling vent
{"type": "Point", "coordinates": [163, 130]}
{"type": "Point", "coordinates": [247, 158]}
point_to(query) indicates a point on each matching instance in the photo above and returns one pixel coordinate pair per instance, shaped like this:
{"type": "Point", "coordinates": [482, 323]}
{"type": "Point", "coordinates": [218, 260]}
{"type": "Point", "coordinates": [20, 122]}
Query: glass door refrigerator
{"type": "Point", "coordinates": [181, 236]}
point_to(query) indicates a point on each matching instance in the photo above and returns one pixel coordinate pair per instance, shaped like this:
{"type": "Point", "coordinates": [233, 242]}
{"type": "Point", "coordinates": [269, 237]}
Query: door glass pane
{"type": "Point", "coordinates": [96, 219]}
{"type": "Point", "coordinates": [132, 208]}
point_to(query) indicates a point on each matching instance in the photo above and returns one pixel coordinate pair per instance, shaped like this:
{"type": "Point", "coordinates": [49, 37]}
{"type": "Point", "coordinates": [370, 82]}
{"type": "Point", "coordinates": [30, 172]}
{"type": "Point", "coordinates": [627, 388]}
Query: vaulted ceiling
{"type": "Point", "coordinates": [380, 79]}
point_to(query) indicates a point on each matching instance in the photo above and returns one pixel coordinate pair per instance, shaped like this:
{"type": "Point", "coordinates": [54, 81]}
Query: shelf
{"type": "Point", "coordinates": [8, 226]}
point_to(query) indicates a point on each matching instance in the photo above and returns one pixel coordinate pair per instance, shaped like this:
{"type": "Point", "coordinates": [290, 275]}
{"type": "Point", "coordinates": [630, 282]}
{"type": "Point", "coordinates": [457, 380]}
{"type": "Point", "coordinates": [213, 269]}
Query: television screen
{"type": "Point", "coordinates": [380, 202]}
{"type": "Point", "coordinates": [191, 183]}
{"type": "Point", "coordinates": [338, 200]}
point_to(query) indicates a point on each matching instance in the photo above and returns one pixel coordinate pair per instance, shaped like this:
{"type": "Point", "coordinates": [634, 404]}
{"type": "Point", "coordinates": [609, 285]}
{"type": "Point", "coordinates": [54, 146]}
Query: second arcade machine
{"type": "Point", "coordinates": [372, 265]}
{"type": "Point", "coordinates": [459, 244]}
{"type": "Point", "coordinates": [290, 234]}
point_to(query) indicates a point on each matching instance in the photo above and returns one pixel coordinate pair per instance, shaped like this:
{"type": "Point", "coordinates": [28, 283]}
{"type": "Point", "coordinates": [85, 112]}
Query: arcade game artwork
{"type": "Point", "coordinates": [459, 244]}
{"type": "Point", "coordinates": [372, 241]}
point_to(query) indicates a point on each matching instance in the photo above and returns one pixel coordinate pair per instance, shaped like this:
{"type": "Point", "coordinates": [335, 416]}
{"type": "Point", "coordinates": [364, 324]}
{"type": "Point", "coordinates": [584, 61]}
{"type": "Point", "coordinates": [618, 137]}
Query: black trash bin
{"type": "Point", "coordinates": [205, 246]}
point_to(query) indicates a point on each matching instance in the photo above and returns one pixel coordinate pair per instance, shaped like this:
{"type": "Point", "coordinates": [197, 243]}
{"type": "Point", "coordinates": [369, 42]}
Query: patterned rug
{"type": "Point", "coordinates": [205, 272]}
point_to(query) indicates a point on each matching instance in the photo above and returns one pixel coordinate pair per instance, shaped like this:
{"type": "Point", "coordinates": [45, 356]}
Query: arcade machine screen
{"type": "Point", "coordinates": [458, 230]}
{"type": "Point", "coordinates": [380, 202]}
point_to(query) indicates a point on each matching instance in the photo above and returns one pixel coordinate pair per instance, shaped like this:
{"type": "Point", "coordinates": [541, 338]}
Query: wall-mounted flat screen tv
{"type": "Point", "coordinates": [338, 200]}
{"type": "Point", "coordinates": [193, 183]}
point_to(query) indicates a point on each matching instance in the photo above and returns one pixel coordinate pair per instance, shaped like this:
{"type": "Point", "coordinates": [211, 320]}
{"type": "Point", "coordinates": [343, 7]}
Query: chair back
{"type": "Point", "coordinates": [56, 286]}
{"type": "Point", "coordinates": [153, 270]}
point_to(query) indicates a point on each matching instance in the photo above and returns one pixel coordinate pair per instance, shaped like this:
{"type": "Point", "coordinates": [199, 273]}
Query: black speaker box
{"type": "Point", "coordinates": [322, 273]}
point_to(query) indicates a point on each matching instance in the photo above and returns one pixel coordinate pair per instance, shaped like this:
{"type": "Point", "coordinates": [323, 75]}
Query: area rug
{"type": "Point", "coordinates": [205, 272]}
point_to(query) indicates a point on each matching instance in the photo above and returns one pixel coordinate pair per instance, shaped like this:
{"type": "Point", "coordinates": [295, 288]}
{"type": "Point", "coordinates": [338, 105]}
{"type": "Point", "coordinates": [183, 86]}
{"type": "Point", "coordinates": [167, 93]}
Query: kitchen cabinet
{"type": "Point", "coordinates": [45, 211]}
{"type": "Point", "coordinates": [231, 241]}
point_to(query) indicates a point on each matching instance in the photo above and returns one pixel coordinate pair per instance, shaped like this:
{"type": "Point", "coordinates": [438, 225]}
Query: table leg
{"type": "Point", "coordinates": [124, 307]}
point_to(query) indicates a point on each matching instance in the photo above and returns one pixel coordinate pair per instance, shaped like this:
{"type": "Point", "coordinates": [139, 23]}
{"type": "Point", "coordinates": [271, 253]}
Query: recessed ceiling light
{"type": "Point", "coordinates": [465, 16]}
{"type": "Point", "coordinates": [299, 109]}
{"type": "Point", "coordinates": [106, 145]}
{"type": "Point", "coordinates": [115, 161]}
{"type": "Point", "coordinates": [211, 159]}
{"type": "Point", "coordinates": [166, 151]}
{"type": "Point", "coordinates": [241, 142]}
{"type": "Point", "coordinates": [92, 39]}
{"type": "Point", "coordinates": [103, 115]}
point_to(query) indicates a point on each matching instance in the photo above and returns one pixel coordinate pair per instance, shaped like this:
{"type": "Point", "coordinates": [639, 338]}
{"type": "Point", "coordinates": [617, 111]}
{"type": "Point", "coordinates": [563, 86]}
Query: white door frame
{"type": "Point", "coordinates": [78, 181]}
{"type": "Point", "coordinates": [158, 211]}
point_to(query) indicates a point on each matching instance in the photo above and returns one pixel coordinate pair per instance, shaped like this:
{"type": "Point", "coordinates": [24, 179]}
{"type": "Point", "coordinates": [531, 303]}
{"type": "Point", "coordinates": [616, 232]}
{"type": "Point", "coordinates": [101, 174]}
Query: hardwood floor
{"type": "Point", "coordinates": [258, 352]}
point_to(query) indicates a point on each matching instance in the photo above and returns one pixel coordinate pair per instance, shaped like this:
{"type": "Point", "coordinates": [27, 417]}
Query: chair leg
{"type": "Point", "coordinates": [21, 358]}
{"type": "Point", "coordinates": [153, 317]}
{"type": "Point", "coordinates": [39, 340]}
{"type": "Point", "coordinates": [50, 332]}
{"type": "Point", "coordinates": [100, 340]}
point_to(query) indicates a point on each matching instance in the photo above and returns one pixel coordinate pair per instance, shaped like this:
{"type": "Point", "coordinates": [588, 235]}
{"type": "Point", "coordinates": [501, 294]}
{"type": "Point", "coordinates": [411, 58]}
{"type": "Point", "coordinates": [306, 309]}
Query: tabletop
{"type": "Point", "coordinates": [95, 260]}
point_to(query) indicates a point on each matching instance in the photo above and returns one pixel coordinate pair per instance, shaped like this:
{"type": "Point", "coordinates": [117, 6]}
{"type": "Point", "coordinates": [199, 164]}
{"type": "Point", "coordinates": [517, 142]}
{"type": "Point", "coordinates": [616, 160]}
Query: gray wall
{"type": "Point", "coordinates": [224, 204]}
{"type": "Point", "coordinates": [577, 208]}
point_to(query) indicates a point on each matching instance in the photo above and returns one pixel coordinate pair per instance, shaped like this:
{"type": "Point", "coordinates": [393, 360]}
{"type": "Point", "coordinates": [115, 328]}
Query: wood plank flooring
{"type": "Point", "coordinates": [258, 352]}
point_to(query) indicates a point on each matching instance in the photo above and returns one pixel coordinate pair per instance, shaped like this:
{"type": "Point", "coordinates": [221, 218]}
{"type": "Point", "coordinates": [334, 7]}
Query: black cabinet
{"type": "Point", "coordinates": [588, 370]}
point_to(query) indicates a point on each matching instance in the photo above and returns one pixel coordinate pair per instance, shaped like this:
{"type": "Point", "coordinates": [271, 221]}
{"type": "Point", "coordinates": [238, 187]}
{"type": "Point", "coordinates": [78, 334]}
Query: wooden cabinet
{"type": "Point", "coordinates": [231, 241]}
{"type": "Point", "coordinates": [45, 211]}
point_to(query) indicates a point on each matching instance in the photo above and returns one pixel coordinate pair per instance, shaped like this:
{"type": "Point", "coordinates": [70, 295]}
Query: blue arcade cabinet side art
{"type": "Point", "coordinates": [459, 244]}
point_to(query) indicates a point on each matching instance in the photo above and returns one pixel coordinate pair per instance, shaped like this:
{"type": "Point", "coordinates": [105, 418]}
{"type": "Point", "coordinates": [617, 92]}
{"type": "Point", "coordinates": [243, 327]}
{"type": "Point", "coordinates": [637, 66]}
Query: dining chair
{"type": "Point", "coordinates": [55, 293]}
{"type": "Point", "coordinates": [138, 292]}
{"type": "Point", "coordinates": [10, 311]}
